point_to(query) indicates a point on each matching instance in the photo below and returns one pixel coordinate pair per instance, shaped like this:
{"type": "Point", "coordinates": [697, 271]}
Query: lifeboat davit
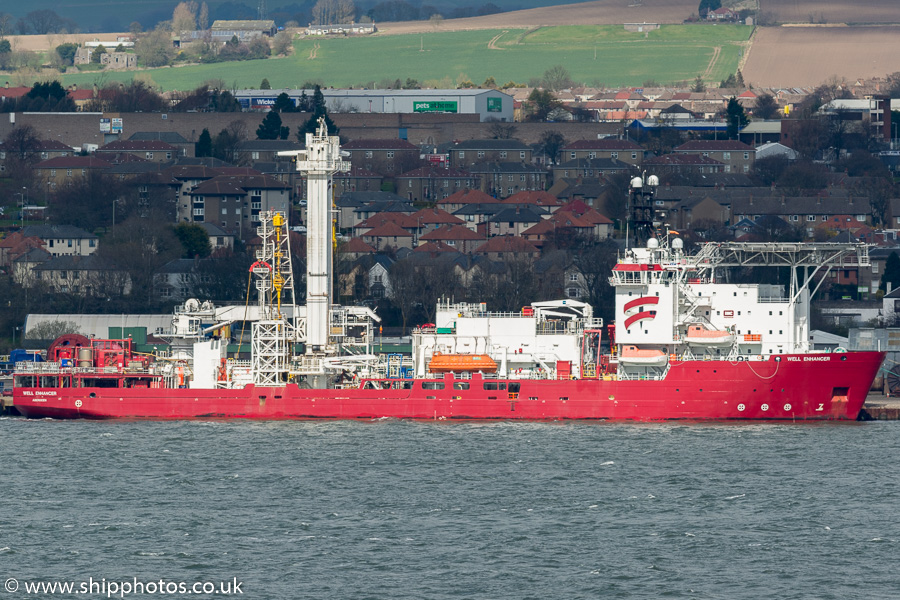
{"type": "Point", "coordinates": [632, 355]}
{"type": "Point", "coordinates": [459, 363]}
{"type": "Point", "coordinates": [698, 335]}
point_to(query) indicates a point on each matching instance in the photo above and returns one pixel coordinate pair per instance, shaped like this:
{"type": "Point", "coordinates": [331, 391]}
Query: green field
{"type": "Point", "coordinates": [593, 55]}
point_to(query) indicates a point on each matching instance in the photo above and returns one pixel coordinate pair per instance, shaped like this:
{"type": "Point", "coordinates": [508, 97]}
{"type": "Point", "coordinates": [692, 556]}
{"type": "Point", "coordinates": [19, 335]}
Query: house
{"type": "Point", "coordinates": [431, 184]}
{"type": "Point", "coordinates": [43, 150]}
{"type": "Point", "coordinates": [357, 179]}
{"type": "Point", "coordinates": [429, 219]}
{"type": "Point", "coordinates": [22, 266]}
{"type": "Point", "coordinates": [357, 205]}
{"type": "Point", "coordinates": [683, 163]}
{"type": "Point", "coordinates": [389, 235]}
{"type": "Point", "coordinates": [506, 247]}
{"type": "Point", "coordinates": [81, 275]}
{"type": "Point", "coordinates": [721, 14]}
{"type": "Point", "coordinates": [503, 179]}
{"type": "Point", "coordinates": [355, 248]}
{"type": "Point", "coordinates": [119, 60]}
{"type": "Point", "coordinates": [249, 152]}
{"type": "Point", "coordinates": [462, 239]}
{"type": "Point", "coordinates": [401, 219]}
{"type": "Point", "coordinates": [218, 237]}
{"type": "Point", "coordinates": [56, 172]}
{"type": "Point", "coordinates": [737, 157]}
{"type": "Point", "coordinates": [543, 199]}
{"type": "Point", "coordinates": [624, 150]}
{"type": "Point", "coordinates": [590, 167]}
{"type": "Point", "coordinates": [464, 155]}
{"type": "Point", "coordinates": [15, 244]}
{"type": "Point", "coordinates": [244, 30]}
{"type": "Point", "coordinates": [63, 240]}
{"type": "Point", "coordinates": [466, 197]}
{"type": "Point", "coordinates": [513, 220]}
{"type": "Point", "coordinates": [153, 150]}
{"type": "Point", "coordinates": [386, 157]}
{"type": "Point", "coordinates": [773, 149]}
{"type": "Point", "coordinates": [234, 202]}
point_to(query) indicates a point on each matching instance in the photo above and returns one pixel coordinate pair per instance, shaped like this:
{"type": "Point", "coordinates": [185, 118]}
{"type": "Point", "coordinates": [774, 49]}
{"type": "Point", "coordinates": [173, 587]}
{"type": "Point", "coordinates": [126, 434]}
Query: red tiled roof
{"type": "Point", "coordinates": [435, 247]}
{"type": "Point", "coordinates": [539, 198]}
{"type": "Point", "coordinates": [357, 246]}
{"type": "Point", "coordinates": [13, 92]}
{"type": "Point", "coordinates": [452, 232]}
{"type": "Point", "coordinates": [468, 197]}
{"type": "Point", "coordinates": [576, 206]}
{"type": "Point", "coordinates": [388, 230]}
{"type": "Point", "coordinates": [73, 162]}
{"type": "Point", "coordinates": [506, 243]}
{"type": "Point", "coordinates": [379, 219]}
{"type": "Point", "coordinates": [429, 216]}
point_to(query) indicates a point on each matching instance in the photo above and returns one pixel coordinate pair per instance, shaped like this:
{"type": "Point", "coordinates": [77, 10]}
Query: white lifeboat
{"type": "Point", "coordinates": [698, 335]}
{"type": "Point", "coordinates": [632, 355]}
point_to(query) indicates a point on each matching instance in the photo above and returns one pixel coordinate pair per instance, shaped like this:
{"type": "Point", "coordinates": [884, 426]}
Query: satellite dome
{"type": "Point", "coordinates": [652, 244]}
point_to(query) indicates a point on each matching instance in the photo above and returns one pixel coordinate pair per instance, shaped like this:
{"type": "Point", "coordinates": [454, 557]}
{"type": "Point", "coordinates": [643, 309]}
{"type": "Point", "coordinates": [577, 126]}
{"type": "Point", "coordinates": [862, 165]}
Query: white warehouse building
{"type": "Point", "coordinates": [490, 105]}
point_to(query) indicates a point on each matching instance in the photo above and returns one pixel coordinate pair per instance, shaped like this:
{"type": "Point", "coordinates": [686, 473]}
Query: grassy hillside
{"type": "Point", "coordinates": [592, 54]}
{"type": "Point", "coordinates": [116, 15]}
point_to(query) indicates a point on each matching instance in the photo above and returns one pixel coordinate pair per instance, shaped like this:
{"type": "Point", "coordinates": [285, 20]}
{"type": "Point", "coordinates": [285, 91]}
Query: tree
{"type": "Point", "coordinates": [594, 260]}
{"type": "Point", "coordinates": [154, 49]}
{"type": "Point", "coordinates": [271, 127]}
{"type": "Point", "coordinates": [891, 273]}
{"type": "Point", "coordinates": [21, 146]}
{"type": "Point", "coordinates": [227, 141]}
{"type": "Point", "coordinates": [318, 110]}
{"type": "Point", "coordinates": [140, 247]}
{"type": "Point", "coordinates": [184, 18]}
{"type": "Point", "coordinates": [284, 104]}
{"type": "Point", "coordinates": [708, 5]}
{"type": "Point", "coordinates": [540, 103]}
{"type": "Point", "coordinates": [66, 52]}
{"type": "Point", "coordinates": [328, 12]}
{"type": "Point", "coordinates": [698, 86]}
{"type": "Point", "coordinates": [194, 240]}
{"type": "Point", "coordinates": [736, 117]}
{"type": "Point", "coordinates": [550, 144]}
{"type": "Point", "coordinates": [50, 330]}
{"type": "Point", "coordinates": [557, 78]}
{"type": "Point", "coordinates": [203, 17]}
{"type": "Point", "coordinates": [6, 47]}
{"type": "Point", "coordinates": [282, 43]}
{"type": "Point", "coordinates": [766, 107]}
{"type": "Point", "coordinates": [264, 84]}
{"type": "Point", "coordinates": [97, 53]}
{"type": "Point", "coordinates": [436, 20]}
{"type": "Point", "coordinates": [204, 144]}
{"type": "Point", "coordinates": [502, 131]}
{"type": "Point", "coordinates": [42, 22]}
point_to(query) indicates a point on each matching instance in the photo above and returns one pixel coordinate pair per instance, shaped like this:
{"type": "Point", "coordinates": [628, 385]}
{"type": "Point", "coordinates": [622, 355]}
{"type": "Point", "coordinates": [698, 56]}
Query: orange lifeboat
{"type": "Point", "coordinates": [639, 356]}
{"type": "Point", "coordinates": [444, 363]}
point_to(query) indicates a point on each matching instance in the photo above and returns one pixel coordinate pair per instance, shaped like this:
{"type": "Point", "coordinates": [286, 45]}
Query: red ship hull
{"type": "Point", "coordinates": [796, 387]}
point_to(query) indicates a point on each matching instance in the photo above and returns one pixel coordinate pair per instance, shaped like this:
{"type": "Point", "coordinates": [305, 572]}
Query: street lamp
{"type": "Point", "coordinates": [22, 195]}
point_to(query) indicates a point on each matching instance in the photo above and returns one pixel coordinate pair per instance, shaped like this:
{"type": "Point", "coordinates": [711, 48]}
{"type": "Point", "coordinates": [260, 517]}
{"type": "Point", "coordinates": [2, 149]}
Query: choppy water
{"type": "Point", "coordinates": [396, 509]}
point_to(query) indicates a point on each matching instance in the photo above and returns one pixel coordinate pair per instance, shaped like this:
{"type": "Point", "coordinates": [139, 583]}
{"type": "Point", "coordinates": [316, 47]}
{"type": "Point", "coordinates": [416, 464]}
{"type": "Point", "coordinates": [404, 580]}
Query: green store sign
{"type": "Point", "coordinates": [436, 106]}
{"type": "Point", "coordinates": [495, 104]}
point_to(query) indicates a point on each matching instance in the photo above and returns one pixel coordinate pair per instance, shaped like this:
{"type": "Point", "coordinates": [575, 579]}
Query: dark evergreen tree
{"type": "Point", "coordinates": [318, 110]}
{"type": "Point", "coordinates": [891, 273]}
{"type": "Point", "coordinates": [204, 144]}
{"type": "Point", "coordinates": [271, 127]}
{"type": "Point", "coordinates": [264, 84]}
{"type": "Point", "coordinates": [283, 103]}
{"type": "Point", "coordinates": [708, 5]}
{"type": "Point", "coordinates": [194, 240]}
{"type": "Point", "coordinates": [736, 117]}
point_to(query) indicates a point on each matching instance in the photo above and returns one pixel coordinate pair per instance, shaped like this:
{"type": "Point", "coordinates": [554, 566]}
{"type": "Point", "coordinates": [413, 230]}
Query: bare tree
{"type": "Point", "coordinates": [557, 78]}
{"type": "Point", "coordinates": [327, 12]}
{"type": "Point", "coordinates": [184, 18]}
